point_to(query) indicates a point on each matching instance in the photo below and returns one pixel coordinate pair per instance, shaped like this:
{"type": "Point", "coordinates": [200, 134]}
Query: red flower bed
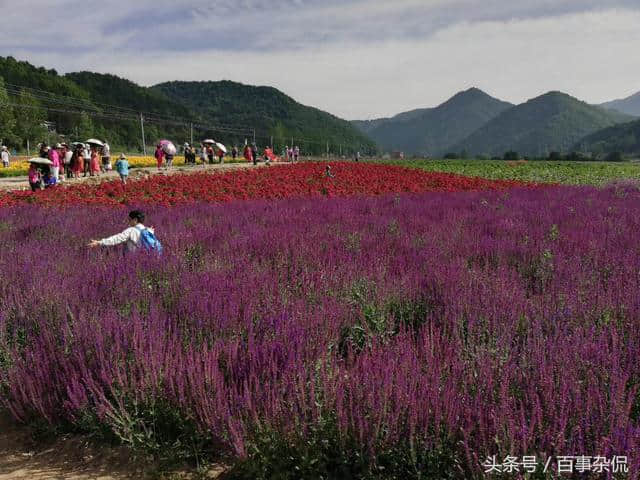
{"type": "Point", "coordinates": [300, 180]}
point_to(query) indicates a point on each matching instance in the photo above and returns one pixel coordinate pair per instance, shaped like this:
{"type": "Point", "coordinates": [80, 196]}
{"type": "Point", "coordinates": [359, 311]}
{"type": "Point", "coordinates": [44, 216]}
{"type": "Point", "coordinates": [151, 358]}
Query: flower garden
{"type": "Point", "coordinates": [382, 323]}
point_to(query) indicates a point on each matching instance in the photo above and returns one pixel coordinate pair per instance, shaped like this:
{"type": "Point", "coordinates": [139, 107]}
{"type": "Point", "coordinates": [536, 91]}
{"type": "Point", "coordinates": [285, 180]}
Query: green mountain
{"type": "Point", "coordinates": [239, 108]}
{"type": "Point", "coordinates": [552, 122]}
{"type": "Point", "coordinates": [629, 105]}
{"type": "Point", "coordinates": [85, 104]}
{"type": "Point", "coordinates": [367, 126]}
{"type": "Point", "coordinates": [433, 131]}
{"type": "Point", "coordinates": [623, 138]}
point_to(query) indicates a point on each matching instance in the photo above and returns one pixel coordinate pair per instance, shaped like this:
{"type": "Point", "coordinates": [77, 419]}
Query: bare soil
{"type": "Point", "coordinates": [76, 457]}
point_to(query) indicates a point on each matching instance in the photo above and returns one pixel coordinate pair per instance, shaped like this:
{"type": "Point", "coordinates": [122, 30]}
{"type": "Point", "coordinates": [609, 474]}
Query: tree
{"type": "Point", "coordinates": [30, 118]}
{"type": "Point", "coordinates": [614, 157]}
{"type": "Point", "coordinates": [555, 156]}
{"type": "Point", "coordinates": [511, 155]}
{"type": "Point", "coordinates": [7, 119]}
{"type": "Point", "coordinates": [451, 156]}
{"type": "Point", "coordinates": [85, 126]}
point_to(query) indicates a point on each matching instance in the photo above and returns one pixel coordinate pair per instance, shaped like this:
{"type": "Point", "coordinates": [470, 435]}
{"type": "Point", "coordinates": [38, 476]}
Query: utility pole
{"type": "Point", "coordinates": [327, 149]}
{"type": "Point", "coordinates": [254, 135]}
{"type": "Point", "coordinates": [144, 145]}
{"type": "Point", "coordinates": [271, 144]}
{"type": "Point", "coordinates": [191, 134]}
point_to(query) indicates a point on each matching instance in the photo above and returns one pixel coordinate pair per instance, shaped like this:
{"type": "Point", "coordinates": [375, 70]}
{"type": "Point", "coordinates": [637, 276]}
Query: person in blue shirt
{"type": "Point", "coordinates": [122, 167]}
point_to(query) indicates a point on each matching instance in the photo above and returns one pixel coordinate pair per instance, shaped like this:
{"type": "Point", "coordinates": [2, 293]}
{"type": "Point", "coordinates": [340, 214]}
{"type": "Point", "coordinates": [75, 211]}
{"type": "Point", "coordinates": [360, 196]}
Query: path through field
{"type": "Point", "coordinates": [21, 183]}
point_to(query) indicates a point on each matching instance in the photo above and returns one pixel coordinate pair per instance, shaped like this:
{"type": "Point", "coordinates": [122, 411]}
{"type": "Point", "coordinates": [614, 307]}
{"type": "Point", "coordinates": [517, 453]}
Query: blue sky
{"type": "Point", "coordinates": [354, 58]}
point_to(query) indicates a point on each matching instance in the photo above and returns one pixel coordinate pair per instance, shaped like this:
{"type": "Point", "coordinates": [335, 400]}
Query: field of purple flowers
{"type": "Point", "coordinates": [407, 336]}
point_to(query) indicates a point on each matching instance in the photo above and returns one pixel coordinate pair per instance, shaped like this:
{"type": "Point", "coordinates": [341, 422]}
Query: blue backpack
{"type": "Point", "coordinates": [149, 241]}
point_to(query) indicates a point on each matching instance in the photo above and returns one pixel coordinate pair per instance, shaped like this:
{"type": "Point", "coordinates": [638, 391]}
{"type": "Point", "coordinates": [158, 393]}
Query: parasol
{"type": "Point", "coordinates": [221, 147]}
{"type": "Point", "coordinates": [93, 141]}
{"type": "Point", "coordinates": [208, 141]}
{"type": "Point", "coordinates": [168, 147]}
{"type": "Point", "coordinates": [41, 161]}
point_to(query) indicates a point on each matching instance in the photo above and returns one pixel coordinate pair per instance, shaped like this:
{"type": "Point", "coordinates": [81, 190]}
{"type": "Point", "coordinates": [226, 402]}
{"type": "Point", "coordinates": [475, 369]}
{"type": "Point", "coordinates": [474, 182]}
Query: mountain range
{"type": "Point", "coordinates": [87, 104]}
{"type": "Point", "coordinates": [629, 105]}
{"type": "Point", "coordinates": [478, 124]}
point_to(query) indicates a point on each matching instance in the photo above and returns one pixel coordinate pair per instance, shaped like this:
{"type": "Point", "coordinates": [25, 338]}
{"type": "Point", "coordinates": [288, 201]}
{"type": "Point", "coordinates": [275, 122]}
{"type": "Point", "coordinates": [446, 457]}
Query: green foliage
{"type": "Point", "coordinates": [573, 173]}
{"type": "Point", "coordinates": [623, 139]}
{"type": "Point", "coordinates": [169, 110]}
{"type": "Point", "coordinates": [7, 119]}
{"type": "Point", "coordinates": [511, 155]}
{"type": "Point", "coordinates": [433, 131]}
{"type": "Point", "coordinates": [552, 122]}
{"type": "Point", "coordinates": [269, 111]}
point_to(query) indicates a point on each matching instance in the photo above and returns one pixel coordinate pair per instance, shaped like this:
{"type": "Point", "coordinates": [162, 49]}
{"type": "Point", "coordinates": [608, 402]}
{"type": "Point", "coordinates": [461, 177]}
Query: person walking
{"type": "Point", "coordinates": [122, 167]}
{"type": "Point", "coordinates": [106, 157]}
{"type": "Point", "coordinates": [77, 161]}
{"type": "Point", "coordinates": [4, 153]}
{"type": "Point", "coordinates": [159, 154]}
{"type": "Point", "coordinates": [86, 155]}
{"type": "Point", "coordinates": [234, 153]}
{"type": "Point", "coordinates": [203, 154]}
{"type": "Point", "coordinates": [247, 153]}
{"type": "Point", "coordinates": [220, 156]}
{"type": "Point", "coordinates": [210, 154]}
{"type": "Point", "coordinates": [254, 153]}
{"type": "Point", "coordinates": [54, 156]}
{"type": "Point", "coordinates": [67, 155]}
{"type": "Point", "coordinates": [95, 161]}
{"type": "Point", "coordinates": [136, 236]}
{"type": "Point", "coordinates": [296, 153]}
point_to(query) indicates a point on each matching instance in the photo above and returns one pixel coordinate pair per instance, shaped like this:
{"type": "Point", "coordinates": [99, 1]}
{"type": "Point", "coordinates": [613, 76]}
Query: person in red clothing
{"type": "Point", "coordinates": [95, 161]}
{"type": "Point", "coordinates": [159, 155]}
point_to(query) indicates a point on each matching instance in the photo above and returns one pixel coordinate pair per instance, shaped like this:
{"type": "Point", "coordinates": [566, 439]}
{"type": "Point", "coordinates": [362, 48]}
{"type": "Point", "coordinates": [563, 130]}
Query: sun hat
{"type": "Point", "coordinates": [58, 145]}
{"type": "Point", "coordinates": [122, 156]}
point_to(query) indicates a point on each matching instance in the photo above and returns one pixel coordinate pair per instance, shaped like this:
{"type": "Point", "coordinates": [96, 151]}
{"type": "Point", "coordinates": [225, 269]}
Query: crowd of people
{"type": "Point", "coordinates": [93, 159]}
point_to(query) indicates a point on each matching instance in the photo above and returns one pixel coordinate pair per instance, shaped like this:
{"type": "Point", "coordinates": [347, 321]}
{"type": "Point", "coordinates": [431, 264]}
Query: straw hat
{"type": "Point", "coordinates": [122, 156]}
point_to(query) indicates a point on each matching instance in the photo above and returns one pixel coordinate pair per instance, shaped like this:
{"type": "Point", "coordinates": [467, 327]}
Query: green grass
{"type": "Point", "coordinates": [571, 173]}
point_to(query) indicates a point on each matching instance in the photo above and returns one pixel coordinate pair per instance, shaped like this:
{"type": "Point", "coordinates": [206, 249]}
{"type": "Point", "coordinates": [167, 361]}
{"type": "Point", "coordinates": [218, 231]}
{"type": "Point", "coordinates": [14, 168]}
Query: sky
{"type": "Point", "coordinates": [358, 59]}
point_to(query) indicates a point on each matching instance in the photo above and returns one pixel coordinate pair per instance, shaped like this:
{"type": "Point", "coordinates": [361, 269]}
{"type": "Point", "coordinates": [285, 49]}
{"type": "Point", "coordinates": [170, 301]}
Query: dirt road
{"type": "Point", "coordinates": [21, 183]}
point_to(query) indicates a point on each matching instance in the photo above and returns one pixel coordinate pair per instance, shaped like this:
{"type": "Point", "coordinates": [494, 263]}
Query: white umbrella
{"type": "Point", "coordinates": [93, 141]}
{"type": "Point", "coordinates": [208, 141]}
{"type": "Point", "coordinates": [169, 148]}
{"type": "Point", "coordinates": [41, 161]}
{"type": "Point", "coordinates": [221, 147]}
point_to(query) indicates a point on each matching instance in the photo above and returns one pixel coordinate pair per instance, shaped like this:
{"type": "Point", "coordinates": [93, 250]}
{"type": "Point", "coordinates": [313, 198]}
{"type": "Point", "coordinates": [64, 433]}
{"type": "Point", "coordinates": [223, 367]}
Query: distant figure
{"type": "Point", "coordinates": [122, 167]}
{"type": "Point", "coordinates": [67, 155]}
{"type": "Point", "coordinates": [189, 154]}
{"type": "Point", "coordinates": [210, 154]}
{"type": "Point", "coordinates": [234, 153]}
{"type": "Point", "coordinates": [4, 153]}
{"type": "Point", "coordinates": [95, 161]}
{"type": "Point", "coordinates": [169, 160]}
{"type": "Point", "coordinates": [159, 154]}
{"type": "Point", "coordinates": [86, 154]}
{"type": "Point", "coordinates": [296, 154]}
{"type": "Point", "coordinates": [54, 156]}
{"type": "Point", "coordinates": [254, 153]}
{"type": "Point", "coordinates": [328, 172]}
{"type": "Point", "coordinates": [247, 153]}
{"type": "Point", "coordinates": [106, 157]}
{"type": "Point", "coordinates": [203, 154]}
{"type": "Point", "coordinates": [220, 156]}
{"type": "Point", "coordinates": [136, 236]}
{"type": "Point", "coordinates": [44, 151]}
{"type": "Point", "coordinates": [357, 157]}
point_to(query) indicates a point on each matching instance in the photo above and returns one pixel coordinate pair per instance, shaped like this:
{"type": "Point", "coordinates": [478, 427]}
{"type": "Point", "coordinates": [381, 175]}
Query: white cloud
{"type": "Point", "coordinates": [370, 70]}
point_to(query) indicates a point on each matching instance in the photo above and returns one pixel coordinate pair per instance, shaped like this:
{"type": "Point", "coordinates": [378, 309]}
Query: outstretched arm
{"type": "Point", "coordinates": [113, 240]}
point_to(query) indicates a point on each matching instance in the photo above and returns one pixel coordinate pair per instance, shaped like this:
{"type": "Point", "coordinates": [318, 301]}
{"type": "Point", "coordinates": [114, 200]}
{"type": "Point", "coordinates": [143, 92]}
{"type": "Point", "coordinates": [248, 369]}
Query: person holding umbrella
{"type": "Point", "coordinates": [86, 155]}
{"type": "Point", "coordinates": [221, 151]}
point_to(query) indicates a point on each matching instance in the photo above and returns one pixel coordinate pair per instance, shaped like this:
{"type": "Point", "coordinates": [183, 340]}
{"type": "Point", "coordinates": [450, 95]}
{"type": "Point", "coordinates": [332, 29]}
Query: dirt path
{"type": "Point", "coordinates": [21, 183]}
{"type": "Point", "coordinates": [72, 458]}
